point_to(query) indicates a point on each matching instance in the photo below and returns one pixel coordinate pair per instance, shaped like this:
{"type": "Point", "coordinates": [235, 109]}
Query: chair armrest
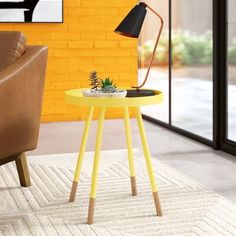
{"type": "Point", "coordinates": [21, 92]}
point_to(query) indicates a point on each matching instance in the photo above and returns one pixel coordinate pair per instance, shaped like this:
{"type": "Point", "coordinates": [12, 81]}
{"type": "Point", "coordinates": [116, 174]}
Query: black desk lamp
{"type": "Point", "coordinates": [131, 27]}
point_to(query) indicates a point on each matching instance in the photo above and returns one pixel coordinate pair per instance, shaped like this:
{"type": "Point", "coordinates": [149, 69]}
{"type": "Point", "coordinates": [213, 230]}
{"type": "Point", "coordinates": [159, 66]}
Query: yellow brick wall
{"type": "Point", "coordinates": [84, 42]}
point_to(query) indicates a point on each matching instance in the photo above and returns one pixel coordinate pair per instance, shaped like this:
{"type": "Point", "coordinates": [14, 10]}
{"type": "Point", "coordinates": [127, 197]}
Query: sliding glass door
{"type": "Point", "coordinates": [195, 67]}
{"type": "Point", "coordinates": [159, 74]}
{"type": "Point", "coordinates": [192, 51]}
{"type": "Point", "coordinates": [182, 66]}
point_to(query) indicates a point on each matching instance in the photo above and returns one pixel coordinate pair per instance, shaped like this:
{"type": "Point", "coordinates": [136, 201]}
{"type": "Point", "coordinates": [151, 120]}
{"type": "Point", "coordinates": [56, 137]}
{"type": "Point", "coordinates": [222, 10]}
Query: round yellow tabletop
{"type": "Point", "coordinates": [76, 97]}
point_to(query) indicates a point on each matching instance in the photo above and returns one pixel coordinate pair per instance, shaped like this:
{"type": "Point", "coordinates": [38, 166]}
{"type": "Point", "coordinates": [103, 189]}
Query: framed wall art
{"type": "Point", "coordinates": [31, 11]}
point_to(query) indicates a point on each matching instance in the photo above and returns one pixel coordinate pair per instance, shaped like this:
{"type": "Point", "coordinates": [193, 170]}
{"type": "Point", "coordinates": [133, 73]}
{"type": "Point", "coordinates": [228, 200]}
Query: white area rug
{"type": "Point", "coordinates": [43, 209]}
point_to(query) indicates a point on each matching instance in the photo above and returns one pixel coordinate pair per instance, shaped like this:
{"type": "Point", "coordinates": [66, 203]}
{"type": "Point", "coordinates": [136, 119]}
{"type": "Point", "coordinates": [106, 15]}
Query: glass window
{"type": "Point", "coordinates": [158, 76]}
{"type": "Point", "coordinates": [192, 69]}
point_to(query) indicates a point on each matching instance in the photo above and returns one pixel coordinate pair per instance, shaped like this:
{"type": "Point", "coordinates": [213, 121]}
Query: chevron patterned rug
{"type": "Point", "coordinates": [43, 209]}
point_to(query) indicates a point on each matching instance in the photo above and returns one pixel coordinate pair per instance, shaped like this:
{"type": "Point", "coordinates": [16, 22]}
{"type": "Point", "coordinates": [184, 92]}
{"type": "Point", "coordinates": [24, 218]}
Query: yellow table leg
{"type": "Point", "coordinates": [148, 162]}
{"type": "Point", "coordinates": [96, 166]}
{"type": "Point", "coordinates": [81, 154]}
{"type": "Point", "coordinates": [130, 151]}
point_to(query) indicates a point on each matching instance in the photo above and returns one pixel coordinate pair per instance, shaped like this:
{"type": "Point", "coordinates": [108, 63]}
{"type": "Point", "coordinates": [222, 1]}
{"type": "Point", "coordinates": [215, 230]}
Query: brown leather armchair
{"type": "Point", "coordinates": [22, 75]}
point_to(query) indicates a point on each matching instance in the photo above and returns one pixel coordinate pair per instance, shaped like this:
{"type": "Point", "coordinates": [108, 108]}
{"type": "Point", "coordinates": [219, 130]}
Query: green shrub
{"type": "Point", "coordinates": [232, 53]}
{"type": "Point", "coordinates": [198, 49]}
{"type": "Point", "coordinates": [187, 49]}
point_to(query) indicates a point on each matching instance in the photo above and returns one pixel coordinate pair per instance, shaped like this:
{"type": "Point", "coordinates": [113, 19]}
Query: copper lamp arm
{"type": "Point", "coordinates": [155, 47]}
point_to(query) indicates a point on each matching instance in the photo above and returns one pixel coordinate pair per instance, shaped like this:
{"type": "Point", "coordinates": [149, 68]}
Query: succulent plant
{"type": "Point", "coordinates": [108, 86]}
{"type": "Point", "coordinates": [107, 82]}
{"type": "Point", "coordinates": [94, 80]}
{"type": "Point", "coordinates": [109, 89]}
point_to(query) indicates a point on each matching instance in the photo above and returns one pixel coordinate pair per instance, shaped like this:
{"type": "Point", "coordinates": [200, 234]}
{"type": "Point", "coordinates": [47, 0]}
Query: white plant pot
{"type": "Point", "coordinates": [98, 93]}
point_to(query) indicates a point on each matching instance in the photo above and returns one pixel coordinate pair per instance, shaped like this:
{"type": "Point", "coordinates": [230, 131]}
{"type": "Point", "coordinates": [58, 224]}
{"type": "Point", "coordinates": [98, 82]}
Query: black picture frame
{"type": "Point", "coordinates": [30, 6]}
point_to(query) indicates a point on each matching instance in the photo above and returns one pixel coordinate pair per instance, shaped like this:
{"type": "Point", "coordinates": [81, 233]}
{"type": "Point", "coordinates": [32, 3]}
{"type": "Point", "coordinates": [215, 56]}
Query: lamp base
{"type": "Point", "coordinates": [139, 93]}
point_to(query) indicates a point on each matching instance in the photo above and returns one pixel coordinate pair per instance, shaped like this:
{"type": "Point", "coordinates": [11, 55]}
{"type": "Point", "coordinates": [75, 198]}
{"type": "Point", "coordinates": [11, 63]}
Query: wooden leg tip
{"type": "Point", "coordinates": [157, 203]}
{"type": "Point", "coordinates": [73, 191]}
{"type": "Point", "coordinates": [91, 211]}
{"type": "Point", "coordinates": [133, 186]}
{"type": "Point", "coordinates": [23, 170]}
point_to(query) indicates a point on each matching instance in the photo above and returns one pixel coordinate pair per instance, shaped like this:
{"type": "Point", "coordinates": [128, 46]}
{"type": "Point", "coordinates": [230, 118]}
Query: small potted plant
{"type": "Point", "coordinates": [103, 87]}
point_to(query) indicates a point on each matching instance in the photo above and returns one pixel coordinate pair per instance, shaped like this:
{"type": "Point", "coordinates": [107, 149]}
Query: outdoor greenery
{"type": "Point", "coordinates": [232, 53]}
{"type": "Point", "coordinates": [187, 49]}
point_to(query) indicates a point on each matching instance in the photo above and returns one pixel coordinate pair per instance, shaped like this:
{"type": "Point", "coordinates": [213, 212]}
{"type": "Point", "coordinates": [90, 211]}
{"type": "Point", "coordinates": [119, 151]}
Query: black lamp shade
{"type": "Point", "coordinates": [132, 23]}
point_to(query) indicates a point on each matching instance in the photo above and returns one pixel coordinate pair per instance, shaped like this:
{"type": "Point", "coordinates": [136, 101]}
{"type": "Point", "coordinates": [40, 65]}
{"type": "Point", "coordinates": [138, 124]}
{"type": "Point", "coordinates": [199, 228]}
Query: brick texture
{"type": "Point", "coordinates": [84, 42]}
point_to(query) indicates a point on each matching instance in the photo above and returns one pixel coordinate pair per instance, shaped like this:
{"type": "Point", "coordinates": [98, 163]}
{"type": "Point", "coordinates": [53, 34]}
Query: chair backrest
{"type": "Point", "coordinates": [12, 46]}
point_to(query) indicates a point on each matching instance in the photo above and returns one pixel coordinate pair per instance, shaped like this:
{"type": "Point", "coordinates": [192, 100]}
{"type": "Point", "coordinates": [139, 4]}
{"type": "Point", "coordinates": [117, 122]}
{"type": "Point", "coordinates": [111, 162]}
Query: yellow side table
{"type": "Point", "coordinates": [76, 97]}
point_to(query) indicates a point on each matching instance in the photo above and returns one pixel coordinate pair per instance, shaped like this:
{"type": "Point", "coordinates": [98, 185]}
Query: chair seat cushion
{"type": "Point", "coordinates": [12, 46]}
